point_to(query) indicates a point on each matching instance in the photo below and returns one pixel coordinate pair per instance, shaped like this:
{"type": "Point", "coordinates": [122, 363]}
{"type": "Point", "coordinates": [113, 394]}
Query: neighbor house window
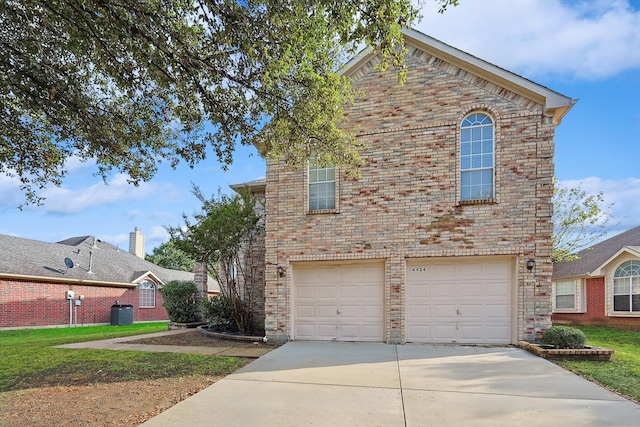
{"type": "Point", "coordinates": [565, 296]}
{"type": "Point", "coordinates": [626, 287]}
{"type": "Point", "coordinates": [147, 294]}
{"type": "Point", "coordinates": [322, 187]}
{"type": "Point", "coordinates": [476, 157]}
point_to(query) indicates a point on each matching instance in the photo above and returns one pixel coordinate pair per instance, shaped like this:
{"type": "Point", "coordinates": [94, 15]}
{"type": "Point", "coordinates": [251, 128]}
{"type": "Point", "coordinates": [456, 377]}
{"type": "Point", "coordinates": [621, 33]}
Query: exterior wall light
{"type": "Point", "coordinates": [530, 264]}
{"type": "Point", "coordinates": [281, 271]}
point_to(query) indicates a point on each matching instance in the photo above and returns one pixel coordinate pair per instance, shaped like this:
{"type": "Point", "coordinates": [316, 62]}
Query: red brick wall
{"type": "Point", "coordinates": [29, 303]}
{"type": "Point", "coordinates": [596, 313]}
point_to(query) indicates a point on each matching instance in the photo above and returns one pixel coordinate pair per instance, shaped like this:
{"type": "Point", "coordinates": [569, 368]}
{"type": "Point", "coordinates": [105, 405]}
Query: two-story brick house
{"type": "Point", "coordinates": [446, 235]}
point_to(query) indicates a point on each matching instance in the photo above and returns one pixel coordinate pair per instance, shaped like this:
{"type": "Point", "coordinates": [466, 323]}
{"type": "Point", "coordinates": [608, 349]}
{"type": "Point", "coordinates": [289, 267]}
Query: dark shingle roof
{"type": "Point", "coordinates": [590, 259]}
{"type": "Point", "coordinates": [94, 260]}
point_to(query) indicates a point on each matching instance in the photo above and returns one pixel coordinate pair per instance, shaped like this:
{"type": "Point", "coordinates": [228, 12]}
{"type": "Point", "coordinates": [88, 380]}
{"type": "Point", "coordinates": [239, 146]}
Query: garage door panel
{"type": "Point", "coordinates": [443, 333]}
{"type": "Point", "coordinates": [496, 288]}
{"type": "Point", "coordinates": [470, 333]}
{"type": "Point", "coordinates": [326, 311]}
{"type": "Point", "coordinates": [444, 311]}
{"type": "Point", "coordinates": [459, 301]}
{"type": "Point", "coordinates": [305, 331]}
{"type": "Point", "coordinates": [470, 290]}
{"type": "Point", "coordinates": [305, 311]}
{"type": "Point", "coordinates": [327, 292]}
{"type": "Point", "coordinates": [349, 307]}
{"type": "Point", "coordinates": [498, 311]}
{"type": "Point", "coordinates": [495, 333]}
{"type": "Point", "coordinates": [443, 290]}
{"type": "Point", "coordinates": [349, 291]}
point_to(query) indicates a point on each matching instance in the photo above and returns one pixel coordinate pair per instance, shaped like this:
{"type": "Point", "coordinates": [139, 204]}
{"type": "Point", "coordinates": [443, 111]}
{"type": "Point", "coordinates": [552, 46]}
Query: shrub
{"type": "Point", "coordinates": [216, 311]}
{"type": "Point", "coordinates": [180, 301]}
{"type": "Point", "coordinates": [564, 337]}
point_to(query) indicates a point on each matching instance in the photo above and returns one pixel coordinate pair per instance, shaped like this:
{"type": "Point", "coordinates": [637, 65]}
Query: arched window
{"type": "Point", "coordinates": [147, 294]}
{"type": "Point", "coordinates": [476, 157]}
{"type": "Point", "coordinates": [626, 287]}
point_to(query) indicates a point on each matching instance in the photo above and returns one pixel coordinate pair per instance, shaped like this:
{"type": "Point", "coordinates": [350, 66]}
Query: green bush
{"type": "Point", "coordinates": [564, 337]}
{"type": "Point", "coordinates": [217, 312]}
{"type": "Point", "coordinates": [180, 300]}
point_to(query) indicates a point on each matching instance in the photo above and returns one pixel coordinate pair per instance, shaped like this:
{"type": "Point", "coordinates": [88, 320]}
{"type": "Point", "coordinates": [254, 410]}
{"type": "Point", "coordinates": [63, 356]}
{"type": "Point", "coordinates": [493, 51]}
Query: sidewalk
{"type": "Point", "coordinates": [121, 344]}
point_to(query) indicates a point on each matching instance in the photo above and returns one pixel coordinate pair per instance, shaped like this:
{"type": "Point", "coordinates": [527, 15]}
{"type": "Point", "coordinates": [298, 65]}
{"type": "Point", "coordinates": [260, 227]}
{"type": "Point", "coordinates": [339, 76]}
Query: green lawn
{"type": "Point", "coordinates": [27, 359]}
{"type": "Point", "coordinates": [622, 374]}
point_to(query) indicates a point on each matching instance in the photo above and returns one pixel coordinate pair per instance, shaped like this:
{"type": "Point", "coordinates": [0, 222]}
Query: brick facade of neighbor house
{"type": "Point", "coordinates": [591, 276]}
{"type": "Point", "coordinates": [35, 277]}
{"type": "Point", "coordinates": [42, 303]}
{"type": "Point", "coordinates": [595, 313]}
{"type": "Point", "coordinates": [406, 203]}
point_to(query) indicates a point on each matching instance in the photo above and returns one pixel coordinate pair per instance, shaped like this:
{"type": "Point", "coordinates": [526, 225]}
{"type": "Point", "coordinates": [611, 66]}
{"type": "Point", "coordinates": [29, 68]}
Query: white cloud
{"type": "Point", "coordinates": [585, 40]}
{"type": "Point", "coordinates": [62, 200]}
{"type": "Point", "coordinates": [623, 194]}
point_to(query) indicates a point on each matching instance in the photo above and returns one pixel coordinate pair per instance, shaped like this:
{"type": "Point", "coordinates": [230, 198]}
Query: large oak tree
{"type": "Point", "coordinates": [131, 83]}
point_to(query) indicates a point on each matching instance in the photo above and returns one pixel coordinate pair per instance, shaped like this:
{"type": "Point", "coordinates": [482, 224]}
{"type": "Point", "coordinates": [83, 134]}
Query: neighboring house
{"type": "Point", "coordinates": [602, 287]}
{"type": "Point", "coordinates": [35, 281]}
{"type": "Point", "coordinates": [431, 243]}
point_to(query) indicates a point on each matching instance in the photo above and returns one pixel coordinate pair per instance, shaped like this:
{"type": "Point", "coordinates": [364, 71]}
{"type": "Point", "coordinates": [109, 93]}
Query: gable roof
{"type": "Point", "coordinates": [592, 260]}
{"type": "Point", "coordinates": [95, 262]}
{"type": "Point", "coordinates": [554, 103]}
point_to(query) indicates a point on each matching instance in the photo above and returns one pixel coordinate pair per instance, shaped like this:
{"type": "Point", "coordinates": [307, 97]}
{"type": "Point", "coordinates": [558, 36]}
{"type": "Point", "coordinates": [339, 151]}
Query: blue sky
{"type": "Point", "coordinates": [588, 50]}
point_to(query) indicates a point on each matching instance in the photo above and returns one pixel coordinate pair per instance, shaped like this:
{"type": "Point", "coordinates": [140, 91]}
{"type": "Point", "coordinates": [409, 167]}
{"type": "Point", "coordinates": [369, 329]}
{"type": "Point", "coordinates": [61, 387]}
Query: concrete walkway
{"type": "Point", "coordinates": [122, 344]}
{"type": "Point", "coordinates": [346, 384]}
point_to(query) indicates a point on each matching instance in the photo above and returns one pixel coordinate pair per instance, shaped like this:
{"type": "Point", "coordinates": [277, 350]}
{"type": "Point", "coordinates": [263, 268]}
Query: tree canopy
{"type": "Point", "coordinates": [128, 84]}
{"type": "Point", "coordinates": [222, 236]}
{"type": "Point", "coordinates": [167, 255]}
{"type": "Point", "coordinates": [579, 221]}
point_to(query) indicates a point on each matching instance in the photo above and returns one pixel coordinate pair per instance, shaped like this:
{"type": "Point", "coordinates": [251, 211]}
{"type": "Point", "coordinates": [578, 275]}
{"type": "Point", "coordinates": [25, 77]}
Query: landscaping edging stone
{"type": "Point", "coordinates": [587, 353]}
{"type": "Point", "coordinates": [233, 337]}
{"type": "Point", "coordinates": [172, 326]}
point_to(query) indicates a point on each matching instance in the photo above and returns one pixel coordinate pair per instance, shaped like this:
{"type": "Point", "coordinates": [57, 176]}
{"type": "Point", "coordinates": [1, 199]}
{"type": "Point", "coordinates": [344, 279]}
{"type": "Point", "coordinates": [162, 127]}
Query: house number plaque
{"type": "Point", "coordinates": [419, 269]}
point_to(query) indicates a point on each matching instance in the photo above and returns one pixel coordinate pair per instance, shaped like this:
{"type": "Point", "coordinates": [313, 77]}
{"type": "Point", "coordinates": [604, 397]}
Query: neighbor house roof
{"type": "Point", "coordinates": [94, 262]}
{"type": "Point", "coordinates": [554, 103]}
{"type": "Point", "coordinates": [592, 260]}
{"type": "Point", "coordinates": [255, 185]}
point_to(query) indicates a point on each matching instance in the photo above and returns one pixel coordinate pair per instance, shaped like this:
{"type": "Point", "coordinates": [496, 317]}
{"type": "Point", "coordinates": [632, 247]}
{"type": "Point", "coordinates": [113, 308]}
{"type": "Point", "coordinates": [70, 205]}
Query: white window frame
{"type": "Point", "coordinates": [147, 294]}
{"type": "Point", "coordinates": [321, 177]}
{"type": "Point", "coordinates": [579, 296]}
{"type": "Point", "coordinates": [470, 155]}
{"type": "Point", "coordinates": [633, 266]}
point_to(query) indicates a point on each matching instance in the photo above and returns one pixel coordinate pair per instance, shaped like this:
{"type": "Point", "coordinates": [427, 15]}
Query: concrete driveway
{"type": "Point", "coordinates": [359, 384]}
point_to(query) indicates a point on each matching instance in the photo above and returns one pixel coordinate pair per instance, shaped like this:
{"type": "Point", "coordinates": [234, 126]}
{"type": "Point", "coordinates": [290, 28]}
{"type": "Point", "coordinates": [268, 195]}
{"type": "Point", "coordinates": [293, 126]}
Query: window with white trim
{"type": "Point", "coordinates": [146, 294]}
{"type": "Point", "coordinates": [477, 157]}
{"type": "Point", "coordinates": [565, 297]}
{"type": "Point", "coordinates": [569, 296]}
{"type": "Point", "coordinates": [626, 288]}
{"type": "Point", "coordinates": [322, 187]}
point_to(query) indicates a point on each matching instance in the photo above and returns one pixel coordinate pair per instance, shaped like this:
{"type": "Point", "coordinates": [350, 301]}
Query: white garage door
{"type": "Point", "coordinates": [342, 302]}
{"type": "Point", "coordinates": [461, 301]}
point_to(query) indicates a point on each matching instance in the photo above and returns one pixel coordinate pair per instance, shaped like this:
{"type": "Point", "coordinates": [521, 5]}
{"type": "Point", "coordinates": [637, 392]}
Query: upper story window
{"type": "Point", "coordinates": [477, 157]}
{"type": "Point", "coordinates": [626, 287]}
{"type": "Point", "coordinates": [322, 187]}
{"type": "Point", "coordinates": [147, 294]}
